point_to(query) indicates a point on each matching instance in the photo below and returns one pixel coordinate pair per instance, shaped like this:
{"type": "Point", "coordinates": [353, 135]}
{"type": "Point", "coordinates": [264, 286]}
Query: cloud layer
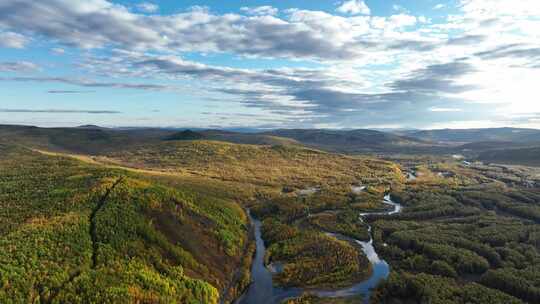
{"type": "Point", "coordinates": [301, 34]}
{"type": "Point", "coordinates": [356, 69]}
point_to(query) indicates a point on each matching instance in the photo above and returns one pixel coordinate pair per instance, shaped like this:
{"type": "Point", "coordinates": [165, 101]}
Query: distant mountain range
{"type": "Point", "coordinates": [504, 145]}
{"type": "Point", "coordinates": [477, 135]}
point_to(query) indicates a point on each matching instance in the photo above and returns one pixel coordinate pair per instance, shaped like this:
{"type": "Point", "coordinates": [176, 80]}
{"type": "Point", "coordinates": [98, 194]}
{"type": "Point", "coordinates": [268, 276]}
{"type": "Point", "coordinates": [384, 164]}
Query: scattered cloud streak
{"type": "Point", "coordinates": [529, 55]}
{"type": "Point", "coordinates": [439, 6]}
{"type": "Point", "coordinates": [68, 92]}
{"type": "Point", "coordinates": [90, 83]}
{"type": "Point", "coordinates": [58, 51]}
{"type": "Point", "coordinates": [58, 111]}
{"type": "Point", "coordinates": [18, 66]}
{"type": "Point", "coordinates": [438, 78]}
{"type": "Point", "coordinates": [467, 40]}
{"type": "Point", "coordinates": [310, 96]}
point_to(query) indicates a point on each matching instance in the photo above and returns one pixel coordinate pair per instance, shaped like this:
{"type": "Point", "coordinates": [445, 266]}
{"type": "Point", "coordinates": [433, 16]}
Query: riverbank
{"type": "Point", "coordinates": [262, 289]}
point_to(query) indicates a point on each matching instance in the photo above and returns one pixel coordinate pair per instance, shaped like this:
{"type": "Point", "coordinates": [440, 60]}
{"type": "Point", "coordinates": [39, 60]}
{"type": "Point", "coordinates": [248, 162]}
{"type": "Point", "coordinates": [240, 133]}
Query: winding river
{"type": "Point", "coordinates": [262, 291]}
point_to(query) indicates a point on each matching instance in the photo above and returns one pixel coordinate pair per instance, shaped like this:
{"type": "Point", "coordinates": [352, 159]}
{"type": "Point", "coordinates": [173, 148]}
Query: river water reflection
{"type": "Point", "coordinates": [262, 291]}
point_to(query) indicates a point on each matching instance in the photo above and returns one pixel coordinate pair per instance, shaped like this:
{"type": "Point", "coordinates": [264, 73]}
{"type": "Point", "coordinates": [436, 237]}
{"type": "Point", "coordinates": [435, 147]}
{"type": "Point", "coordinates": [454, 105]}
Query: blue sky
{"type": "Point", "coordinates": [270, 64]}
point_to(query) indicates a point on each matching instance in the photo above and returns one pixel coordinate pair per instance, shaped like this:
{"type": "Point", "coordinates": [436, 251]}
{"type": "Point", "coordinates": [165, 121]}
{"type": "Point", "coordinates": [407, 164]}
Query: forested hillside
{"type": "Point", "coordinates": [73, 232]}
{"type": "Point", "coordinates": [272, 166]}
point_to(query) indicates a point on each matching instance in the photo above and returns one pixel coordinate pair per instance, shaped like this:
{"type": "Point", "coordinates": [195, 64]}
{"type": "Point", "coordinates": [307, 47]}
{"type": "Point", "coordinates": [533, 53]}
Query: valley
{"type": "Point", "coordinates": [198, 220]}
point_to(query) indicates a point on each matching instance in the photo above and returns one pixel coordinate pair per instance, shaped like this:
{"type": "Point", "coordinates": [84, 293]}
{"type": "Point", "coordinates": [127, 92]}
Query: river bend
{"type": "Point", "coordinates": [262, 290]}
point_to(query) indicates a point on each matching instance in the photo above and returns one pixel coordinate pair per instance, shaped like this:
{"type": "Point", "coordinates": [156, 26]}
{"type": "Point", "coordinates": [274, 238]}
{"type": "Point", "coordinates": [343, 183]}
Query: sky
{"type": "Point", "coordinates": [424, 64]}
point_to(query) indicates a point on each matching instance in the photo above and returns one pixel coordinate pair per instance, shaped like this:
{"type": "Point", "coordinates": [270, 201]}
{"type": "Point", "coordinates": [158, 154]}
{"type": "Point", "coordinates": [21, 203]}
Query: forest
{"type": "Point", "coordinates": [75, 233]}
{"type": "Point", "coordinates": [471, 239]}
{"type": "Point", "coordinates": [166, 222]}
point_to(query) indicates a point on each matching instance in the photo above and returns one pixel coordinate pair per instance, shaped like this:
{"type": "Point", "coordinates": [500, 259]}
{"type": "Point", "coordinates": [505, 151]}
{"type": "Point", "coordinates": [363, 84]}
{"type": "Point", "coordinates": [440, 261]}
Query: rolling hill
{"type": "Point", "coordinates": [515, 156]}
{"type": "Point", "coordinates": [72, 232]}
{"type": "Point", "coordinates": [91, 140]}
{"type": "Point", "coordinates": [477, 135]}
{"type": "Point", "coordinates": [263, 165]}
{"type": "Point", "coordinates": [96, 140]}
{"type": "Point", "coordinates": [352, 141]}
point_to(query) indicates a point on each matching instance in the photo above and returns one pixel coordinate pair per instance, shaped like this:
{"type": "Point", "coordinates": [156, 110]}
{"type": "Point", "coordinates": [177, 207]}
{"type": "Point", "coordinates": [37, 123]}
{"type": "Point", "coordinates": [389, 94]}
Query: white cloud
{"type": "Point", "coordinates": [439, 6]}
{"type": "Point", "coordinates": [147, 7]}
{"type": "Point", "coordinates": [12, 40]}
{"type": "Point", "coordinates": [301, 35]}
{"type": "Point", "coordinates": [260, 10]}
{"type": "Point", "coordinates": [354, 7]}
{"type": "Point", "coordinates": [493, 8]}
{"type": "Point", "coordinates": [18, 66]}
{"type": "Point", "coordinates": [399, 8]}
{"type": "Point", "coordinates": [402, 20]}
{"type": "Point", "coordinates": [58, 51]}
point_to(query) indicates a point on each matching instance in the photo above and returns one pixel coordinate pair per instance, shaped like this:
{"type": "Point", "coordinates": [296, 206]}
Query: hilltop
{"type": "Point", "coordinates": [185, 135]}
